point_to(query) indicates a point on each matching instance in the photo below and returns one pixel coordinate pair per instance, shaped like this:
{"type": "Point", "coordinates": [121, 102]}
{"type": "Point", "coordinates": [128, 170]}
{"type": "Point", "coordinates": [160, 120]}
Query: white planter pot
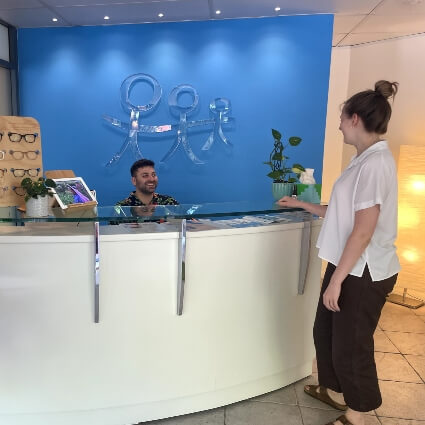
{"type": "Point", "coordinates": [37, 207]}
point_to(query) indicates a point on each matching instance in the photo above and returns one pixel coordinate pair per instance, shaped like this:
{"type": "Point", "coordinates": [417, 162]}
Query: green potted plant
{"type": "Point", "coordinates": [283, 176]}
{"type": "Point", "coordinates": [36, 195]}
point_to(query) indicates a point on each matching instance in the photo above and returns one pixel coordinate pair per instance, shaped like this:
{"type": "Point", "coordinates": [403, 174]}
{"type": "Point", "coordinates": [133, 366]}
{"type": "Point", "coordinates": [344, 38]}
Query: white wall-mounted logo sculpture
{"type": "Point", "coordinates": [220, 108]}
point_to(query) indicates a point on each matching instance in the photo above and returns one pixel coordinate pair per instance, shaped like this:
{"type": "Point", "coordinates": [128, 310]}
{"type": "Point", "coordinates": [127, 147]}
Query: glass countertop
{"type": "Point", "coordinates": [120, 214]}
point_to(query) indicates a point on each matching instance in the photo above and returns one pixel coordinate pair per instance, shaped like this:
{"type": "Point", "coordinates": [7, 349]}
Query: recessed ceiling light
{"type": "Point", "coordinates": [54, 19]}
{"type": "Point", "coordinates": [106, 17]}
{"type": "Point", "coordinates": [217, 12]}
{"type": "Point", "coordinates": [161, 15]}
{"type": "Point", "coordinates": [277, 8]}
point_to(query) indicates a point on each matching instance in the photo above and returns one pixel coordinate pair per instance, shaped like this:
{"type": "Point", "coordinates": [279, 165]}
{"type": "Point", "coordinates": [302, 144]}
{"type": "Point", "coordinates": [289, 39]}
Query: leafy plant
{"type": "Point", "coordinates": [36, 188]}
{"type": "Point", "coordinates": [280, 172]}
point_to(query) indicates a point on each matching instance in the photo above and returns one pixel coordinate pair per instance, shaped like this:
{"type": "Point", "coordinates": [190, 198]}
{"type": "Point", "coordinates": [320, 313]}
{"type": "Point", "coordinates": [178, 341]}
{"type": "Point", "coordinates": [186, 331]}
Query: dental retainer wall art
{"type": "Point", "coordinates": [220, 109]}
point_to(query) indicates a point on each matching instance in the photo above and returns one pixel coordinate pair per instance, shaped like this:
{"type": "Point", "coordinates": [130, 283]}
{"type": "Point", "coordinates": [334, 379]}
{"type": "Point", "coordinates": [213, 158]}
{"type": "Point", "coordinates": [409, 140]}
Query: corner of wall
{"type": "Point", "coordinates": [338, 88]}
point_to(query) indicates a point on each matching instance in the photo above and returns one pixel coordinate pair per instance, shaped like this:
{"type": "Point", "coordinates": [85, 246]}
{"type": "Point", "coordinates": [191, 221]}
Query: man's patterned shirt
{"type": "Point", "coordinates": [157, 199]}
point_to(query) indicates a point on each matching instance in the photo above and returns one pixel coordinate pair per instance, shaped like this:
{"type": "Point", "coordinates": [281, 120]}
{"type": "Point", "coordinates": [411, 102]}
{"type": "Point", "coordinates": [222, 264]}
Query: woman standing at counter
{"type": "Point", "coordinates": [357, 240]}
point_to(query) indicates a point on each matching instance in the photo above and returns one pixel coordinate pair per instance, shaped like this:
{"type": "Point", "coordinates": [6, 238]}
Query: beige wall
{"type": "Point", "coordinates": [399, 60]}
{"type": "Point", "coordinates": [338, 86]}
{"type": "Point", "coordinates": [359, 68]}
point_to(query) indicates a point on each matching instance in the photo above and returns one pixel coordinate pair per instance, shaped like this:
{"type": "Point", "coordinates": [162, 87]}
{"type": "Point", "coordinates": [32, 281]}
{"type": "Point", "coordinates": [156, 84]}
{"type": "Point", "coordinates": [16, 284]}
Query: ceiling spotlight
{"type": "Point", "coordinates": [276, 9]}
{"type": "Point", "coordinates": [106, 17]}
{"type": "Point", "coordinates": [217, 12]}
{"type": "Point", "coordinates": [161, 15]}
{"type": "Point", "coordinates": [54, 19]}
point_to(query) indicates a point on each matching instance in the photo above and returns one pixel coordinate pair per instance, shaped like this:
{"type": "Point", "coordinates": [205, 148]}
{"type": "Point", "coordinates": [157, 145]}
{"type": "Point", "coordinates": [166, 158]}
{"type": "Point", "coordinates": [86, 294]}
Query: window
{"type": "Point", "coordinates": [4, 43]}
{"type": "Point", "coordinates": [8, 71]}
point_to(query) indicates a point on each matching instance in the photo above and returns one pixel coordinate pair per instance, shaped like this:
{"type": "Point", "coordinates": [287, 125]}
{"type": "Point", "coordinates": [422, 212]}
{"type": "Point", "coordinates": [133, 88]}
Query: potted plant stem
{"type": "Point", "coordinates": [283, 176]}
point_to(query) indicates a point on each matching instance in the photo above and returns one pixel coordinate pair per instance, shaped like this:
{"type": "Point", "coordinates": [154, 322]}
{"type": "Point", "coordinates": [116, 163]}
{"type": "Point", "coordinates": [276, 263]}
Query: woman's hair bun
{"type": "Point", "coordinates": [386, 89]}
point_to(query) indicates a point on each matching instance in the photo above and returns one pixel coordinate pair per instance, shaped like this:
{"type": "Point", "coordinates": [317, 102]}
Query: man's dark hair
{"type": "Point", "coordinates": [139, 164]}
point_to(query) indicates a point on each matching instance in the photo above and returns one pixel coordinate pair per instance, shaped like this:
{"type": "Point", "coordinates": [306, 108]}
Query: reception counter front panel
{"type": "Point", "coordinates": [245, 330]}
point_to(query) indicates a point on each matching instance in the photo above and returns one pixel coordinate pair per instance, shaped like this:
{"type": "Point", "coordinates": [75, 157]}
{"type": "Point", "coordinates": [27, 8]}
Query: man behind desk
{"type": "Point", "coordinates": [145, 180]}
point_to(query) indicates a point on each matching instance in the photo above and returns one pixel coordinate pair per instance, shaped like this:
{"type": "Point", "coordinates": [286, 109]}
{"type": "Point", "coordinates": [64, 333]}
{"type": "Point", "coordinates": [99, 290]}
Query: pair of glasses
{"type": "Point", "coordinates": [21, 154]}
{"type": "Point", "coordinates": [3, 171]}
{"type": "Point", "coordinates": [17, 137]}
{"type": "Point", "coordinates": [20, 191]}
{"type": "Point", "coordinates": [20, 172]}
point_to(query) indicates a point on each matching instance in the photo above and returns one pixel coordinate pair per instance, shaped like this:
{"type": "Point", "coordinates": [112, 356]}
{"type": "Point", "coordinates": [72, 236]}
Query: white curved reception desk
{"type": "Point", "coordinates": [245, 328]}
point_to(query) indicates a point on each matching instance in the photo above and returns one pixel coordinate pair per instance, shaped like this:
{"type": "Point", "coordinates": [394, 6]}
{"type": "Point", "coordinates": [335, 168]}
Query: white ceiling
{"type": "Point", "coordinates": [356, 21]}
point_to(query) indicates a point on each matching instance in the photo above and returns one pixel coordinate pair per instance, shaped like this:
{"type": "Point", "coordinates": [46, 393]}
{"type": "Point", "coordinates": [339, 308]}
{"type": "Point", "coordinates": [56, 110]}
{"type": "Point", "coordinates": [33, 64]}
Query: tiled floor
{"type": "Point", "coordinates": [400, 360]}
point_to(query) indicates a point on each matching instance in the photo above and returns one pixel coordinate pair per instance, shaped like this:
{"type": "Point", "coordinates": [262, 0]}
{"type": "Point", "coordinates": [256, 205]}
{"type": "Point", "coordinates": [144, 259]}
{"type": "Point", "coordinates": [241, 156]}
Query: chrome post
{"type": "Point", "coordinates": [96, 272]}
{"type": "Point", "coordinates": [181, 270]}
{"type": "Point", "coordinates": [304, 255]}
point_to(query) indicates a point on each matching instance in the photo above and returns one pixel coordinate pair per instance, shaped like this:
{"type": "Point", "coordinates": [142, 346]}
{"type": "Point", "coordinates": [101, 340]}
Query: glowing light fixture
{"type": "Point", "coordinates": [276, 9]}
{"type": "Point", "coordinates": [54, 19]}
{"type": "Point", "coordinates": [161, 15]}
{"type": "Point", "coordinates": [217, 12]}
{"type": "Point", "coordinates": [411, 224]}
{"type": "Point", "coordinates": [106, 18]}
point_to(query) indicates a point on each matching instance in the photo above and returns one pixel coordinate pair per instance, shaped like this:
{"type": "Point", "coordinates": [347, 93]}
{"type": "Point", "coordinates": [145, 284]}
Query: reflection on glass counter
{"type": "Point", "coordinates": [239, 212]}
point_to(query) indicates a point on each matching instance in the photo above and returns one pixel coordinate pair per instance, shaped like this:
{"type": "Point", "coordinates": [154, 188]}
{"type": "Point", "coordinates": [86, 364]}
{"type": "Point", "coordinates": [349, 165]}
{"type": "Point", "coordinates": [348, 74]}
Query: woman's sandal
{"type": "Point", "coordinates": [321, 394]}
{"type": "Point", "coordinates": [343, 419]}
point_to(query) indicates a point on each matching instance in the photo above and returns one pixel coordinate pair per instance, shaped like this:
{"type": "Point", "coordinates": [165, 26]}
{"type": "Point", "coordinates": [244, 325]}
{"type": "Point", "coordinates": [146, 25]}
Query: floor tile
{"type": "Point", "coordinates": [418, 363]}
{"type": "Point", "coordinates": [284, 395]}
{"type": "Point", "coordinates": [319, 416]}
{"type": "Point", "coordinates": [398, 318]}
{"type": "Point", "coordinates": [371, 420]}
{"type": "Point", "coordinates": [402, 400]}
{"type": "Point", "coordinates": [253, 413]}
{"type": "Point", "coordinates": [408, 343]}
{"type": "Point", "coordinates": [383, 344]}
{"type": "Point", "coordinates": [208, 417]}
{"type": "Point", "coordinates": [394, 367]}
{"type": "Point", "coordinates": [419, 311]}
{"type": "Point", "coordinates": [305, 399]}
{"type": "Point", "coordinates": [395, 309]}
{"type": "Point", "coordinates": [392, 421]}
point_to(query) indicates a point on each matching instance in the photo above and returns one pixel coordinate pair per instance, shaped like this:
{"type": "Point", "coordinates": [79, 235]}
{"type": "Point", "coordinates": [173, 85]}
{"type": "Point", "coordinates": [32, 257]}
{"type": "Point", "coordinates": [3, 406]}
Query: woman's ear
{"type": "Point", "coordinates": [355, 119]}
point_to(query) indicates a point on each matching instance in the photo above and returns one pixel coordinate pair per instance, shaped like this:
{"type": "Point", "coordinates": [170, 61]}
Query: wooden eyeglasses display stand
{"type": "Point", "coordinates": [20, 156]}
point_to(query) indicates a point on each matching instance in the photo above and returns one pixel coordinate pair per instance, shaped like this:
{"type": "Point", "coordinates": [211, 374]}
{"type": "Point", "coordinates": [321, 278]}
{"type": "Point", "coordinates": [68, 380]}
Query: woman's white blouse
{"type": "Point", "coordinates": [370, 179]}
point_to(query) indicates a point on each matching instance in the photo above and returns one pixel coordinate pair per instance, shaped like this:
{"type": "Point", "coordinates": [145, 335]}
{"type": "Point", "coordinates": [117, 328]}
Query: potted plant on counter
{"type": "Point", "coordinates": [36, 196]}
{"type": "Point", "coordinates": [283, 176]}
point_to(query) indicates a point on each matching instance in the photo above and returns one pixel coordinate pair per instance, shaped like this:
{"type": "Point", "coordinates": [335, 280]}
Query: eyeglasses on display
{"type": "Point", "coordinates": [3, 171]}
{"type": "Point", "coordinates": [17, 137]}
{"type": "Point", "coordinates": [20, 172]}
{"type": "Point", "coordinates": [20, 191]}
{"type": "Point", "coordinates": [21, 154]}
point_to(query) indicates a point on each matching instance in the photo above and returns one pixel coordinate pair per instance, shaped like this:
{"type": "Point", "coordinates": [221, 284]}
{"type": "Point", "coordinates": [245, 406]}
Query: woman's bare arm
{"type": "Point", "coordinates": [364, 227]}
{"type": "Point", "coordinates": [289, 202]}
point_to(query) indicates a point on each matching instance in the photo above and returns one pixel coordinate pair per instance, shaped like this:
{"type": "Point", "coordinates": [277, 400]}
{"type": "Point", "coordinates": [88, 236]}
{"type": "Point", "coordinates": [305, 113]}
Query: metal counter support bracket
{"type": "Point", "coordinates": [96, 272]}
{"type": "Point", "coordinates": [181, 277]}
{"type": "Point", "coordinates": [304, 255]}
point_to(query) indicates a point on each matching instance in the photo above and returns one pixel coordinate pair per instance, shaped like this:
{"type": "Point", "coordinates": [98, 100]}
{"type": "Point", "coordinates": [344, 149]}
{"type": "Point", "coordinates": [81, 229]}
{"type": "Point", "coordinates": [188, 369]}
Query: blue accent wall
{"type": "Point", "coordinates": [275, 71]}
